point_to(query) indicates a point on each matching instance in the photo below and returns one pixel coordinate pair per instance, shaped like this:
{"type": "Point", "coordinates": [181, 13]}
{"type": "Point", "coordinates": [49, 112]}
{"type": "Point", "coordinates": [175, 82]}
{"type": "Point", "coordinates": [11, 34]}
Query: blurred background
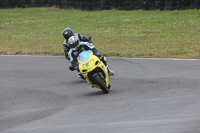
{"type": "Point", "coordinates": [92, 5]}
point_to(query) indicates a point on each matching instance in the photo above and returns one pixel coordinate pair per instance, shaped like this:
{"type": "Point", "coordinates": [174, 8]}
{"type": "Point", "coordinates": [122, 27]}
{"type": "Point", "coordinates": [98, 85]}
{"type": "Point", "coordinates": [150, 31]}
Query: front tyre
{"type": "Point", "coordinates": [101, 84]}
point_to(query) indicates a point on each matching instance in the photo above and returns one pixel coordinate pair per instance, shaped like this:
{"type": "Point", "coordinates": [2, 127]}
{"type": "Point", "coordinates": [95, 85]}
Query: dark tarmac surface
{"type": "Point", "coordinates": [41, 95]}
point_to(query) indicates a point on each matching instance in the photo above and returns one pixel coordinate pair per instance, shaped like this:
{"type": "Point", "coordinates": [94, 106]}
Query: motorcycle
{"type": "Point", "coordinates": [94, 71]}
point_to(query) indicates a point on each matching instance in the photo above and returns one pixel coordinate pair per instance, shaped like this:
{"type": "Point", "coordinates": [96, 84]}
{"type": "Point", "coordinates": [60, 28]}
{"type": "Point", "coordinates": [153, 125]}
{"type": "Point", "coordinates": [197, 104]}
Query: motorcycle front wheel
{"type": "Point", "coordinates": [101, 84]}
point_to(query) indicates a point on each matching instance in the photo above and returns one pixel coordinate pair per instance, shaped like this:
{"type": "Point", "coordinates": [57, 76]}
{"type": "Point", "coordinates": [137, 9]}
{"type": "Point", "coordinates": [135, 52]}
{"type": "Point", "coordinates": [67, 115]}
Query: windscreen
{"type": "Point", "coordinates": [84, 56]}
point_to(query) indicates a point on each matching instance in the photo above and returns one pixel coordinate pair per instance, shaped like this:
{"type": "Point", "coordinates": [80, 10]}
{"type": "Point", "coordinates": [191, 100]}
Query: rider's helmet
{"type": "Point", "coordinates": [74, 42]}
{"type": "Point", "coordinates": [67, 33]}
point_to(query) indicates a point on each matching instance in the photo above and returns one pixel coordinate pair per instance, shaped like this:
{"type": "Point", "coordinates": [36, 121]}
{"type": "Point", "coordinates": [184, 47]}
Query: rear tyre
{"type": "Point", "coordinates": [101, 84]}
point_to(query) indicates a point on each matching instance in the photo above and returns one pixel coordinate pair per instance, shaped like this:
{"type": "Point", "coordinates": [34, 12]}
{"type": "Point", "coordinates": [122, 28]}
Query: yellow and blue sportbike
{"type": "Point", "coordinates": [94, 71]}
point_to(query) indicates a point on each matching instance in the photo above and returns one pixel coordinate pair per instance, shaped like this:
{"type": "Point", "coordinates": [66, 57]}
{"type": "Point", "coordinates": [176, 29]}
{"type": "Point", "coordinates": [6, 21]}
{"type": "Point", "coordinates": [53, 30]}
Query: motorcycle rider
{"type": "Point", "coordinates": [76, 47]}
{"type": "Point", "coordinates": [67, 33]}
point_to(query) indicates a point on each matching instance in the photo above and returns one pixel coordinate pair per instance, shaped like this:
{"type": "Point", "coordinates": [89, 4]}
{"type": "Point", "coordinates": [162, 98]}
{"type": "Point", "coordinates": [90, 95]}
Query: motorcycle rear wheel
{"type": "Point", "coordinates": [101, 84]}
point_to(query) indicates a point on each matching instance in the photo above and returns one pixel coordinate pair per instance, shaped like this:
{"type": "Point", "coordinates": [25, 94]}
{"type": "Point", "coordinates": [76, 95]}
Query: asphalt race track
{"type": "Point", "coordinates": [39, 94]}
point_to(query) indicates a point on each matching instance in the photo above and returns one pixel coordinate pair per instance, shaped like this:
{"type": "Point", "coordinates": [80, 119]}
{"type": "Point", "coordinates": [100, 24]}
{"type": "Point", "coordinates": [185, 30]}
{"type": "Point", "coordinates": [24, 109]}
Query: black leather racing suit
{"type": "Point", "coordinates": [66, 44]}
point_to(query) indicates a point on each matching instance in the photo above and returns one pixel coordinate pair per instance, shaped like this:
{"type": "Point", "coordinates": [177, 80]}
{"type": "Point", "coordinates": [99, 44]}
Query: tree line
{"type": "Point", "coordinates": [104, 4]}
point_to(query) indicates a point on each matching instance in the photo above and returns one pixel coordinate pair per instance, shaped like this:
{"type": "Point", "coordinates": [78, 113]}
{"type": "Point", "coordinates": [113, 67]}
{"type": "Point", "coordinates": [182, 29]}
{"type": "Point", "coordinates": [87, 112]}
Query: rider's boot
{"type": "Point", "coordinates": [104, 60]}
{"type": "Point", "coordinates": [81, 76]}
{"type": "Point", "coordinates": [111, 72]}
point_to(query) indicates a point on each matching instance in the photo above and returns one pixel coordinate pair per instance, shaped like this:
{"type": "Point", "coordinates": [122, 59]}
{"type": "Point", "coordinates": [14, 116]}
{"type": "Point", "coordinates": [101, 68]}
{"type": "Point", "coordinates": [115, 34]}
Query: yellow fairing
{"type": "Point", "coordinates": [88, 66]}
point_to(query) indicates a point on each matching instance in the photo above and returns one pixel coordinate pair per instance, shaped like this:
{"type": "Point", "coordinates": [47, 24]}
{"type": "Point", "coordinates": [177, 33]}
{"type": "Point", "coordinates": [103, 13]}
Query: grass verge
{"type": "Point", "coordinates": [157, 34]}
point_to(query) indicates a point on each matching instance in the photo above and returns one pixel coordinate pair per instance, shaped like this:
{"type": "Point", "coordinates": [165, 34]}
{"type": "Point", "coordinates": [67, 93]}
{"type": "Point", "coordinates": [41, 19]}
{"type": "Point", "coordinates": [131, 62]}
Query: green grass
{"type": "Point", "coordinates": [160, 34]}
